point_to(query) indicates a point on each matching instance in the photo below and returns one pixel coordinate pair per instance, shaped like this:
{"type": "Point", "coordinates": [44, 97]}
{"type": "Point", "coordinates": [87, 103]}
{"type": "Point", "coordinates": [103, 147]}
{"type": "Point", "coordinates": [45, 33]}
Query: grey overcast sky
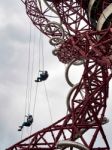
{"type": "Point", "coordinates": [14, 51]}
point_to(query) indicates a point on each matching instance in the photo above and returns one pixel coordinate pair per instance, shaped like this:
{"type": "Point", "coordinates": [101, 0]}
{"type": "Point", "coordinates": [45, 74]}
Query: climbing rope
{"type": "Point", "coordinates": [30, 105]}
{"type": "Point", "coordinates": [28, 70]}
{"type": "Point", "coordinates": [48, 102]}
{"type": "Point", "coordinates": [35, 99]}
{"type": "Point", "coordinates": [41, 68]}
{"type": "Point", "coordinates": [32, 70]}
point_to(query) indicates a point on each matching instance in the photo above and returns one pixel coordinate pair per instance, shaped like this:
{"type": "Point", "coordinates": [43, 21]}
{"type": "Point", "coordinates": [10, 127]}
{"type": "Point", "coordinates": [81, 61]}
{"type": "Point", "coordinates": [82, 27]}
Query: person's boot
{"type": "Point", "coordinates": [37, 80]}
{"type": "Point", "coordinates": [20, 128]}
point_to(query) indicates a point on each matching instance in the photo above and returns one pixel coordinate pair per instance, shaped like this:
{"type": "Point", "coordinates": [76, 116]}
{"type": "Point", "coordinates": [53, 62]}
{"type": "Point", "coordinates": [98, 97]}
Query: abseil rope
{"type": "Point", "coordinates": [41, 65]}
{"type": "Point", "coordinates": [30, 67]}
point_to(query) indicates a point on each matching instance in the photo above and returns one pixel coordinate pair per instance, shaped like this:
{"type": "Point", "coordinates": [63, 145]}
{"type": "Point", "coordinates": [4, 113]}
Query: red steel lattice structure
{"type": "Point", "coordinates": [83, 34]}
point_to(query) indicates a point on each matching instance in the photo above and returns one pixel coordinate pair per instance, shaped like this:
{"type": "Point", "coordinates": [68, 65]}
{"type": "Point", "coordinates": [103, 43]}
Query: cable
{"type": "Point", "coordinates": [41, 66]}
{"type": "Point", "coordinates": [28, 97]}
{"type": "Point", "coordinates": [42, 56]}
{"type": "Point", "coordinates": [39, 50]}
{"type": "Point", "coordinates": [34, 105]}
{"type": "Point", "coordinates": [29, 60]}
{"type": "Point", "coordinates": [48, 102]}
{"type": "Point", "coordinates": [45, 84]}
{"type": "Point", "coordinates": [32, 69]}
{"type": "Point", "coordinates": [36, 90]}
{"type": "Point", "coordinates": [28, 70]}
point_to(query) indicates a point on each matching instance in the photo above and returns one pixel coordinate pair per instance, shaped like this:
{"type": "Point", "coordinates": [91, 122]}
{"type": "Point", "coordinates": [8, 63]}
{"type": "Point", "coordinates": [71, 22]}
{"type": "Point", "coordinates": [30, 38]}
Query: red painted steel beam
{"type": "Point", "coordinates": [86, 46]}
{"type": "Point", "coordinates": [80, 117]}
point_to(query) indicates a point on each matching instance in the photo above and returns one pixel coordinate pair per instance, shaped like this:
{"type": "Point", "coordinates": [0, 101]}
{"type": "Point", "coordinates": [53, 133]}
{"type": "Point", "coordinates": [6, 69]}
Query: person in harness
{"type": "Point", "coordinates": [43, 76]}
{"type": "Point", "coordinates": [27, 123]}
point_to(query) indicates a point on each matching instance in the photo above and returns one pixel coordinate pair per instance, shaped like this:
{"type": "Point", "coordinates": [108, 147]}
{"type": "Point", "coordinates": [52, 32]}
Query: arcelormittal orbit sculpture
{"type": "Point", "coordinates": [82, 35]}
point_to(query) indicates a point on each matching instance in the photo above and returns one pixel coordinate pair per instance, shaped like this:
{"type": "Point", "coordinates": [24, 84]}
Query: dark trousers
{"type": "Point", "coordinates": [27, 124]}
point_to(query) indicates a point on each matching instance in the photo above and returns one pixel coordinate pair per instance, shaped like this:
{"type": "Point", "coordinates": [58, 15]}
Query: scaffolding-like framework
{"type": "Point", "coordinates": [82, 36]}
